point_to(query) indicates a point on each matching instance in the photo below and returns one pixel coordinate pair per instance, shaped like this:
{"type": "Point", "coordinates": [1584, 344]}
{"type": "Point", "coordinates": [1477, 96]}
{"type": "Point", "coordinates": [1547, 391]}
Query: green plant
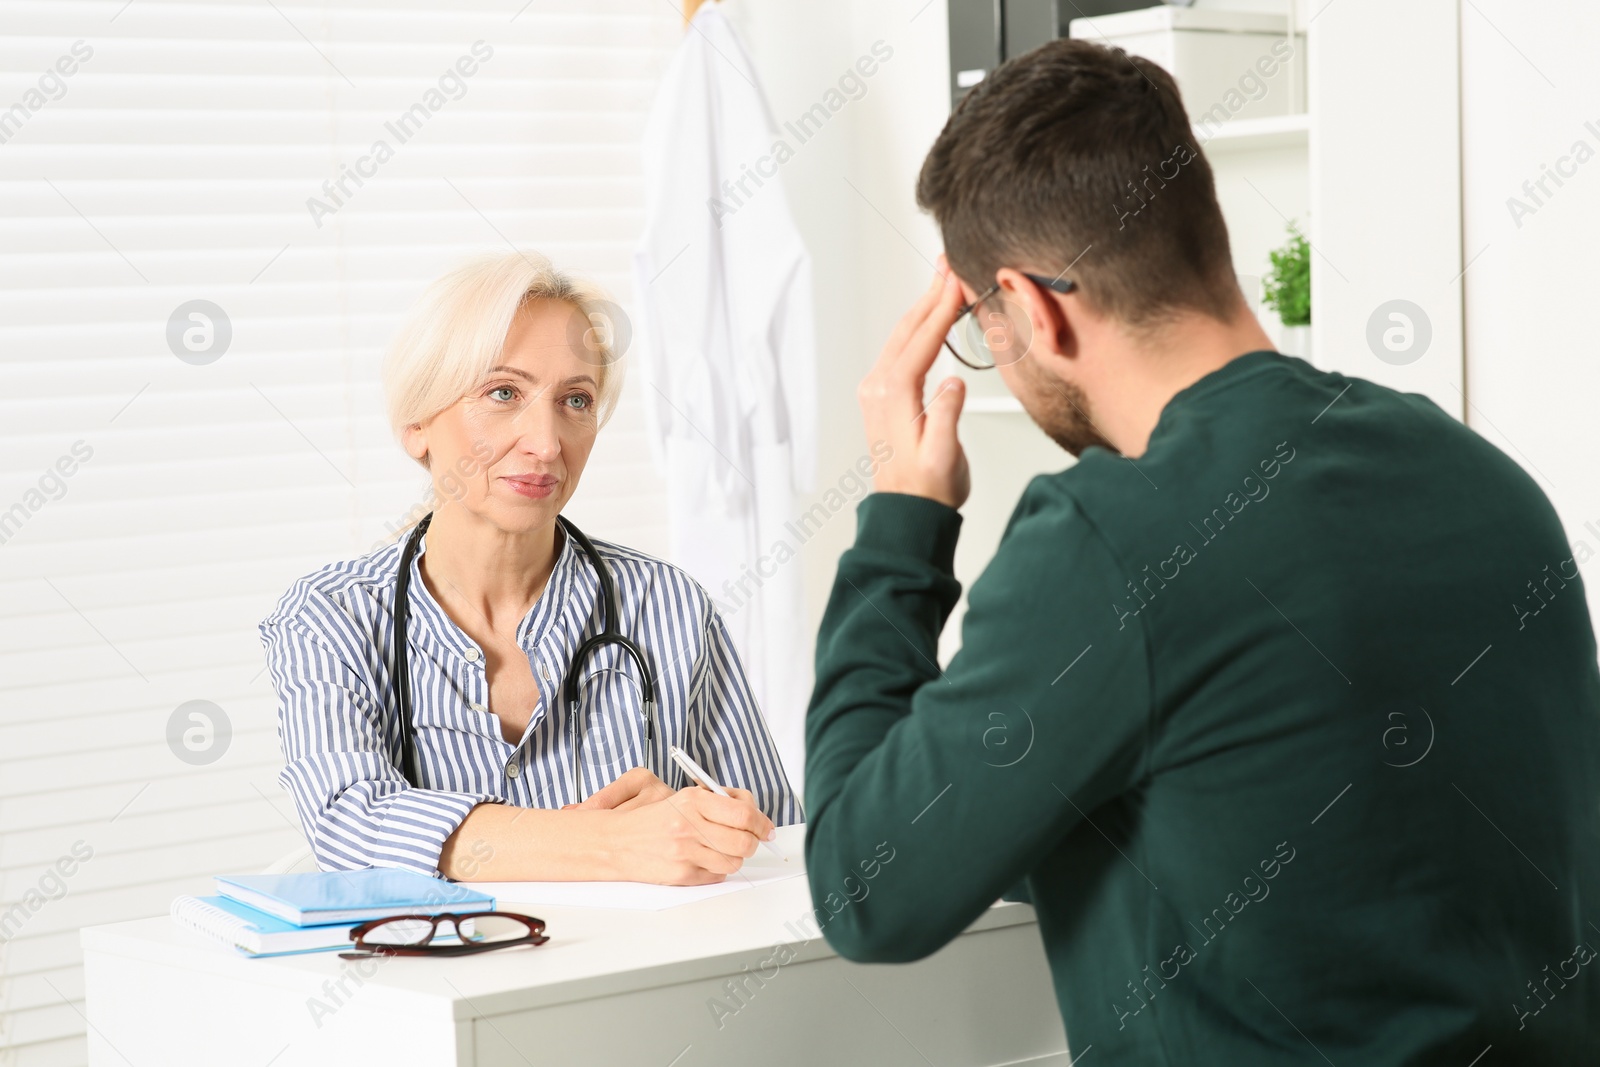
{"type": "Point", "coordinates": [1287, 286]}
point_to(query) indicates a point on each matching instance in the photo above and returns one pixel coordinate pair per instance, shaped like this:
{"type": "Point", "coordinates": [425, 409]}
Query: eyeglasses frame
{"type": "Point", "coordinates": [426, 947]}
{"type": "Point", "coordinates": [1056, 285]}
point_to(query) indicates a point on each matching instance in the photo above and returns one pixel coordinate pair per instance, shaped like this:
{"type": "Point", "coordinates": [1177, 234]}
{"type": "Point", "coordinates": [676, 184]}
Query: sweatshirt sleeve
{"type": "Point", "coordinates": [355, 806]}
{"type": "Point", "coordinates": [965, 778]}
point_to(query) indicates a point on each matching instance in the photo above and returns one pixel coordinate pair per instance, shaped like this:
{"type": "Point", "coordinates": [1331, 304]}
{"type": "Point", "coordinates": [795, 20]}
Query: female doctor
{"type": "Point", "coordinates": [497, 385]}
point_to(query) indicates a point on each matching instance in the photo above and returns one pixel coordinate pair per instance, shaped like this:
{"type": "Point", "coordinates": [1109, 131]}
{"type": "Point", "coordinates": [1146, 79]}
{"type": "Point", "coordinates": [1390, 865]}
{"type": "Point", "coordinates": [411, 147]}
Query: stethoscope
{"type": "Point", "coordinates": [569, 685]}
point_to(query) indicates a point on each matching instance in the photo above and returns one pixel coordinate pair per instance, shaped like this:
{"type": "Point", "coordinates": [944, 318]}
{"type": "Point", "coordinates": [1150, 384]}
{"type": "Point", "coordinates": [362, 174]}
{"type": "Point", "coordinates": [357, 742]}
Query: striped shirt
{"type": "Point", "coordinates": [329, 645]}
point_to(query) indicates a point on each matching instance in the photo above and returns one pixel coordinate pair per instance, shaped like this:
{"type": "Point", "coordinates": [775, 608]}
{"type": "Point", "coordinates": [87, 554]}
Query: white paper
{"type": "Point", "coordinates": [636, 896]}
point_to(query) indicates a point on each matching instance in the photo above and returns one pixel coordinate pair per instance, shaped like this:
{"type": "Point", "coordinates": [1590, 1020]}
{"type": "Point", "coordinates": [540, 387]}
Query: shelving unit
{"type": "Point", "coordinates": [1262, 169]}
{"type": "Point", "coordinates": [1251, 135]}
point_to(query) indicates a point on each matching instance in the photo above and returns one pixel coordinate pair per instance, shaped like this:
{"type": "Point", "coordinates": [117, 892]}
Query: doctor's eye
{"type": "Point", "coordinates": [511, 394]}
{"type": "Point", "coordinates": [579, 401]}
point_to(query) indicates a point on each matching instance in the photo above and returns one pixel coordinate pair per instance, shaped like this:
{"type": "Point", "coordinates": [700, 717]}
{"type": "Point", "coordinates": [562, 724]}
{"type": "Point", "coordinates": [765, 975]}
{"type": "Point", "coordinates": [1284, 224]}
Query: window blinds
{"type": "Point", "coordinates": [212, 215]}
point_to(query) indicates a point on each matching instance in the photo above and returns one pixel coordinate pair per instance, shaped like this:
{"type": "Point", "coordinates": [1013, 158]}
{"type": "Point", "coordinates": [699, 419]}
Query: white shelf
{"type": "Point", "coordinates": [1249, 135]}
{"type": "Point", "coordinates": [992, 405]}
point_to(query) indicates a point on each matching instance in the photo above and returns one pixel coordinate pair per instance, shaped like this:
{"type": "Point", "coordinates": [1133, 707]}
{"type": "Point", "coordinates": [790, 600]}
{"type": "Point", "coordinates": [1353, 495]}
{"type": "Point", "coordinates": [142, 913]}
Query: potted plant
{"type": "Point", "coordinates": [1286, 288]}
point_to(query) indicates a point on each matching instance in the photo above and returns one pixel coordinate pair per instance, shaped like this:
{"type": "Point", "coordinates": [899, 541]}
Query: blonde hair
{"type": "Point", "coordinates": [456, 332]}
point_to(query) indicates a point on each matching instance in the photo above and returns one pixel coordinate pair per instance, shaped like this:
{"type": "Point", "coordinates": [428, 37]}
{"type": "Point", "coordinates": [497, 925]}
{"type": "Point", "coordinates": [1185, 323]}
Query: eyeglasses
{"type": "Point", "coordinates": [973, 345]}
{"type": "Point", "coordinates": [412, 935]}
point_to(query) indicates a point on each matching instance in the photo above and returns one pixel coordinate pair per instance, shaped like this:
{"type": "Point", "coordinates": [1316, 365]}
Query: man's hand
{"type": "Point", "coordinates": [927, 457]}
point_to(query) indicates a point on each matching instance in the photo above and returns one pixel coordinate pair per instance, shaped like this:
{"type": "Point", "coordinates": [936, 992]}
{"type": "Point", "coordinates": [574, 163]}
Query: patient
{"type": "Point", "coordinates": [498, 386]}
{"type": "Point", "coordinates": [1239, 706]}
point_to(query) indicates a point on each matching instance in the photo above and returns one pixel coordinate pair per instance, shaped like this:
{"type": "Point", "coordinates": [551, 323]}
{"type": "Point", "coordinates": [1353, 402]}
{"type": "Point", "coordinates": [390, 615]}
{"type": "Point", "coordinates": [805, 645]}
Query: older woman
{"type": "Point", "coordinates": [498, 386]}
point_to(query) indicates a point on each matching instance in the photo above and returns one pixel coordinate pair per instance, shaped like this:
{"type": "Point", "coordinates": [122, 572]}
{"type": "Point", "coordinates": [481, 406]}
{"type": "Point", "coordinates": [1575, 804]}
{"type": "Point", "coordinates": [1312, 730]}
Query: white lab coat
{"type": "Point", "coordinates": [724, 340]}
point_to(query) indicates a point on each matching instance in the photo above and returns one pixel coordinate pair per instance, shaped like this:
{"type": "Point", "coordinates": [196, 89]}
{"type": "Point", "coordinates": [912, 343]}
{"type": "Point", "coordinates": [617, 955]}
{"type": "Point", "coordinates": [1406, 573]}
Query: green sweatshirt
{"type": "Point", "coordinates": [1290, 728]}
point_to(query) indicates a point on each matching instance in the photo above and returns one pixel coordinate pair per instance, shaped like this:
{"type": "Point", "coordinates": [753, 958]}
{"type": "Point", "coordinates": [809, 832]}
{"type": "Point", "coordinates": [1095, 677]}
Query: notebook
{"type": "Point", "coordinates": [326, 897]}
{"type": "Point", "coordinates": [254, 933]}
{"type": "Point", "coordinates": [759, 870]}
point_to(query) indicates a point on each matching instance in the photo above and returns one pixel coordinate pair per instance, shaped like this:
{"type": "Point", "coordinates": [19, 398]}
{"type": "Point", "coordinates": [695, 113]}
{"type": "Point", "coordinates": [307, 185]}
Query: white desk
{"type": "Point", "coordinates": [610, 987]}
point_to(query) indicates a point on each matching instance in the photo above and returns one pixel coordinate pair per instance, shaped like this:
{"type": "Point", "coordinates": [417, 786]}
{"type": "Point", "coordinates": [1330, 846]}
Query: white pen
{"type": "Point", "coordinates": [696, 772]}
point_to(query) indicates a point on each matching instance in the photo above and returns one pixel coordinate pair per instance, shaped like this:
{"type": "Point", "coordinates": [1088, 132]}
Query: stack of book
{"type": "Point", "coordinates": [283, 914]}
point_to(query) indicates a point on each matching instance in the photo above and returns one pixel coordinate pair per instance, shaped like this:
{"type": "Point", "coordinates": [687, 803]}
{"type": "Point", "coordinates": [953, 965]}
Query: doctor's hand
{"type": "Point", "coordinates": [633, 788]}
{"type": "Point", "coordinates": [691, 837]}
{"type": "Point", "coordinates": [927, 458]}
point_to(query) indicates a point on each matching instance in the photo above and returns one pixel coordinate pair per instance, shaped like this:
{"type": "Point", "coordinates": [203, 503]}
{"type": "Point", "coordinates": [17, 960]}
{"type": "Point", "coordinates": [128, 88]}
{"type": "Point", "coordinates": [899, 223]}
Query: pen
{"type": "Point", "coordinates": [695, 771]}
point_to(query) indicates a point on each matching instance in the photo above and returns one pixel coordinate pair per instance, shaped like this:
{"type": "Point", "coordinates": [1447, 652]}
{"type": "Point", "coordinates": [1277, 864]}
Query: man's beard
{"type": "Point", "coordinates": [1061, 410]}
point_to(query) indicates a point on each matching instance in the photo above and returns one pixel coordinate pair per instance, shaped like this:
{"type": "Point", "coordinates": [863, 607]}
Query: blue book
{"type": "Point", "coordinates": [327, 897]}
{"type": "Point", "coordinates": [254, 933]}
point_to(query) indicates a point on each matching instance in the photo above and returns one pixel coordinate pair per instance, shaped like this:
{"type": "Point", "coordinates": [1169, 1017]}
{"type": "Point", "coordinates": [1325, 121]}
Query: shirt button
{"type": "Point", "coordinates": [471, 654]}
{"type": "Point", "coordinates": [513, 769]}
{"type": "Point", "coordinates": [475, 706]}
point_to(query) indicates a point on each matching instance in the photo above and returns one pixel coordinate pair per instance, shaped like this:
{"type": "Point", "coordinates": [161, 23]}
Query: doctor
{"type": "Point", "coordinates": [498, 387]}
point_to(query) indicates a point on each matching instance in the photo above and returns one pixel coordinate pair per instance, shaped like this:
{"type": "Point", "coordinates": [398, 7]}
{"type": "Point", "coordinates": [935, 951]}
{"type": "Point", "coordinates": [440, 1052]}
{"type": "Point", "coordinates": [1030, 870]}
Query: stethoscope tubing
{"type": "Point", "coordinates": [608, 635]}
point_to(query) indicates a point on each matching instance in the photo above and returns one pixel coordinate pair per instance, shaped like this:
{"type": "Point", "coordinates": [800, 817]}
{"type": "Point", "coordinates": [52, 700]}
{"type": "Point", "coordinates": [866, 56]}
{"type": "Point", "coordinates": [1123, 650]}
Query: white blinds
{"type": "Point", "coordinates": [153, 508]}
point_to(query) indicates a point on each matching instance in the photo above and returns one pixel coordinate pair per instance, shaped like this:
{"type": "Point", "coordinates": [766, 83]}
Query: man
{"type": "Point", "coordinates": [1281, 704]}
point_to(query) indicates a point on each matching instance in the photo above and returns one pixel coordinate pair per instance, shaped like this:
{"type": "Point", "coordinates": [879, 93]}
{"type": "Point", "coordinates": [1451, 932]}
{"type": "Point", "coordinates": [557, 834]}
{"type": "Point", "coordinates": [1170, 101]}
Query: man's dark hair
{"type": "Point", "coordinates": [1077, 146]}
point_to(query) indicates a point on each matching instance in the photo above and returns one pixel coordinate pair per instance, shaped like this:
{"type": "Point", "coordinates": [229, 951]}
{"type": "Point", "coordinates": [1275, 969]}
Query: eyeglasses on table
{"type": "Point", "coordinates": [413, 935]}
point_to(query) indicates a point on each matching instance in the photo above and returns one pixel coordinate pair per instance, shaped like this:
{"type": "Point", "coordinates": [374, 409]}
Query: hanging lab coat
{"type": "Point", "coordinates": [723, 338]}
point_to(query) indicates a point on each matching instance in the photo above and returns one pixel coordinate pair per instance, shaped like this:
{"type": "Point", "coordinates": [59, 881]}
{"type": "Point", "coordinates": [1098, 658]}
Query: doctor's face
{"type": "Point", "coordinates": [511, 451]}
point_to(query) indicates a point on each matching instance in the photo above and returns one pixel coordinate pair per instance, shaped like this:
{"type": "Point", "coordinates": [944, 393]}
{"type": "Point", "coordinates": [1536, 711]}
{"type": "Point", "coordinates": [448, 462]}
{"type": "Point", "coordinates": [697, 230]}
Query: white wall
{"type": "Point", "coordinates": [1385, 192]}
{"type": "Point", "coordinates": [852, 191]}
{"type": "Point", "coordinates": [1529, 88]}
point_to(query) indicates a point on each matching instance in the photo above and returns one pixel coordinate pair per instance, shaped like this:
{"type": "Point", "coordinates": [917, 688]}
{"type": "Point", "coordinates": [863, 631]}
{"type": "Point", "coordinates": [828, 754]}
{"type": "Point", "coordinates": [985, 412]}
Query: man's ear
{"type": "Point", "coordinates": [1048, 318]}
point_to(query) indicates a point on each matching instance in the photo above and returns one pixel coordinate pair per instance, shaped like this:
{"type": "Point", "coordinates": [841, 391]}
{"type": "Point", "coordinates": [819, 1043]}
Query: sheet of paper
{"type": "Point", "coordinates": [636, 896]}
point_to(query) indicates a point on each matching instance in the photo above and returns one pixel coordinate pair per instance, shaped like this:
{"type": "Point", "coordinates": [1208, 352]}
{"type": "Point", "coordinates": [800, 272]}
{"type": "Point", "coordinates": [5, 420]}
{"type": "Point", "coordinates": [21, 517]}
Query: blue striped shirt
{"type": "Point", "coordinates": [329, 645]}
